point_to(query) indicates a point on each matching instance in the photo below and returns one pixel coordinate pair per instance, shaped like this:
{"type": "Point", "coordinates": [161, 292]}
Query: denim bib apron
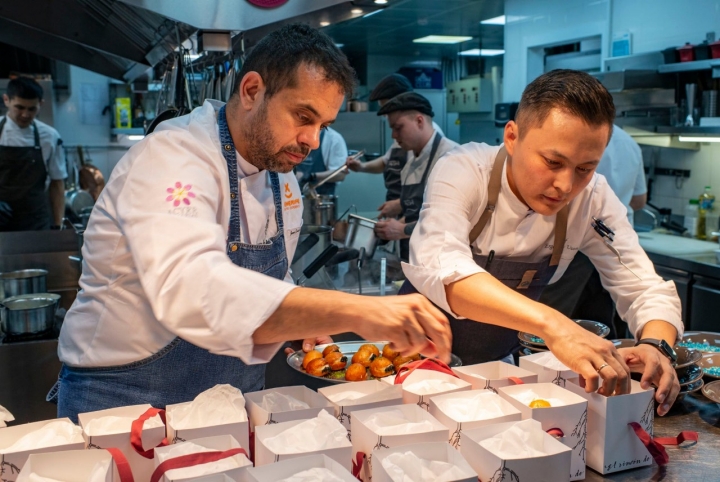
{"type": "Point", "coordinates": [391, 173]}
{"type": "Point", "coordinates": [181, 370]}
{"type": "Point", "coordinates": [476, 342]}
{"type": "Point", "coordinates": [411, 197]}
{"type": "Point", "coordinates": [315, 162]}
{"type": "Point", "coordinates": [26, 205]}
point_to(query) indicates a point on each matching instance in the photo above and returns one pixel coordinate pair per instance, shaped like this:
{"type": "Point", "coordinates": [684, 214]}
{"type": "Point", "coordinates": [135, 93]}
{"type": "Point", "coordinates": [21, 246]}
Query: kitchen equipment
{"type": "Point", "coordinates": [318, 209]}
{"type": "Point", "coordinates": [304, 246]}
{"type": "Point", "coordinates": [347, 348]}
{"type": "Point", "coordinates": [28, 314]}
{"type": "Point", "coordinates": [361, 234]}
{"type": "Point", "coordinates": [324, 234]}
{"type": "Point", "coordinates": [690, 95]}
{"type": "Point", "coordinates": [702, 341]}
{"type": "Point", "coordinates": [26, 281]}
{"type": "Point", "coordinates": [316, 264]}
{"type": "Point", "coordinates": [309, 190]}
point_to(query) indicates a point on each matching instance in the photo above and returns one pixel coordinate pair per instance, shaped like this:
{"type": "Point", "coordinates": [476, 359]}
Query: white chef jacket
{"type": "Point", "coordinates": [50, 144]}
{"type": "Point", "coordinates": [456, 195]}
{"type": "Point", "coordinates": [386, 157]}
{"type": "Point", "coordinates": [415, 166]}
{"type": "Point", "coordinates": [153, 271]}
{"type": "Point", "coordinates": [622, 166]}
{"type": "Point", "coordinates": [334, 149]}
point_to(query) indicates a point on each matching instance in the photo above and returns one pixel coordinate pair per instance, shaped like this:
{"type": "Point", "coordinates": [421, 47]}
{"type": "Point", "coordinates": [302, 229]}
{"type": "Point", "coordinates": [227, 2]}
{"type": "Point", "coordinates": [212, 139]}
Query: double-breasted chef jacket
{"type": "Point", "coordinates": [154, 262]}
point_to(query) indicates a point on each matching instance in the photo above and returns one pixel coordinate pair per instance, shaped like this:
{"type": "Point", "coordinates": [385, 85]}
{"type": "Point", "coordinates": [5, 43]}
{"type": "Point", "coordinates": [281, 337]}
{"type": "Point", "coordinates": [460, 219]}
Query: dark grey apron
{"type": "Point", "coordinates": [315, 162]}
{"type": "Point", "coordinates": [477, 342]}
{"type": "Point", "coordinates": [24, 203]}
{"type": "Point", "coordinates": [391, 173]}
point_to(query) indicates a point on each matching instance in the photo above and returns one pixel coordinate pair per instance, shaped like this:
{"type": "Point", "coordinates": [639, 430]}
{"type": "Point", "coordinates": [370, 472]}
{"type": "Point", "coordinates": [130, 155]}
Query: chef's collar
{"type": "Point", "coordinates": [245, 167]}
{"type": "Point", "coordinates": [518, 207]}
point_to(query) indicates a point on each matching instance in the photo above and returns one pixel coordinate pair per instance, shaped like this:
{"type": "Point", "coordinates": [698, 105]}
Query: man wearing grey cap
{"type": "Point", "coordinates": [391, 163]}
{"type": "Point", "coordinates": [410, 118]}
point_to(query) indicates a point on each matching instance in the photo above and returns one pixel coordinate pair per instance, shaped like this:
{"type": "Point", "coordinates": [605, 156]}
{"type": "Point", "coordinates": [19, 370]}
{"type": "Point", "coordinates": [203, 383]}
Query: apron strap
{"type": "Point", "coordinates": [561, 219]}
{"type": "Point", "coordinates": [433, 152]}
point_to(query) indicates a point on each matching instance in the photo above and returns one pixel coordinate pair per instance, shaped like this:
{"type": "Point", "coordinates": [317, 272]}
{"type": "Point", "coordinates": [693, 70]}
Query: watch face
{"type": "Point", "coordinates": [668, 350]}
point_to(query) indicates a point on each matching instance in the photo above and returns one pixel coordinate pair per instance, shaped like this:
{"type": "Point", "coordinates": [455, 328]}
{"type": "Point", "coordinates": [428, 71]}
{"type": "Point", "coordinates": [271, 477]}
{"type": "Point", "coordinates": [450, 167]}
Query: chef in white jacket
{"type": "Point", "coordinates": [185, 280]}
{"type": "Point", "coordinates": [498, 223]}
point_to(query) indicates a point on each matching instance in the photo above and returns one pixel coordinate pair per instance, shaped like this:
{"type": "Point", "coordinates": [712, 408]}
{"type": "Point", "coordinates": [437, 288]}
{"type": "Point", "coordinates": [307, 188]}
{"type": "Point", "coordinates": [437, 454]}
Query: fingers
{"type": "Point", "coordinates": [435, 327]}
{"type": "Point", "coordinates": [308, 344]}
{"type": "Point", "coordinates": [668, 389]}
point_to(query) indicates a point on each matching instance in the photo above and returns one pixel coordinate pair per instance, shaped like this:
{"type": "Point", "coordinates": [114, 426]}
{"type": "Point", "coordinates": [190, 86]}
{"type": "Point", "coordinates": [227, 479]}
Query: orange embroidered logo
{"type": "Point", "coordinates": [288, 191]}
{"type": "Point", "coordinates": [290, 203]}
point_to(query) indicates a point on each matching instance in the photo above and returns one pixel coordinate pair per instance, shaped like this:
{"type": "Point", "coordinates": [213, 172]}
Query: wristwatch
{"type": "Point", "coordinates": [661, 345]}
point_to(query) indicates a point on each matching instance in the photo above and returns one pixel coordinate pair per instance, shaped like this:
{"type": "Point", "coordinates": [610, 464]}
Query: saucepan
{"type": "Point", "coordinates": [361, 234]}
{"type": "Point", "coordinates": [22, 282]}
{"type": "Point", "coordinates": [28, 314]}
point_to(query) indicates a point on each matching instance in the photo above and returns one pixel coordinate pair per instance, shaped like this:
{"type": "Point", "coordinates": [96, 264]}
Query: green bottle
{"type": "Point", "coordinates": [705, 207]}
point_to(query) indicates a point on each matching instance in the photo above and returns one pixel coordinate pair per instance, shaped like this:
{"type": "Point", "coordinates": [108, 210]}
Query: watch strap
{"type": "Point", "coordinates": [662, 346]}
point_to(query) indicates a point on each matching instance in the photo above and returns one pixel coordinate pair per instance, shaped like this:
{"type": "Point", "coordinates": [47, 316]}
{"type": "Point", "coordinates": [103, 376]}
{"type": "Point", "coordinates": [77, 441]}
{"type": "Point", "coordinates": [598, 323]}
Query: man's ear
{"type": "Point", "coordinates": [251, 89]}
{"type": "Point", "coordinates": [510, 136]}
{"type": "Point", "coordinates": [6, 100]}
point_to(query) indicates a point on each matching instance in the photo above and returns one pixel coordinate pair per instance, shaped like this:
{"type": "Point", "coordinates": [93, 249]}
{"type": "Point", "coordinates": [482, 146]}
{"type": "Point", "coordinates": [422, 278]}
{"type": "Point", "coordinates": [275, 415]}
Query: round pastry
{"type": "Point", "coordinates": [381, 367]}
{"type": "Point", "coordinates": [336, 360]}
{"type": "Point", "coordinates": [318, 367]}
{"type": "Point", "coordinates": [310, 356]}
{"type": "Point", "coordinates": [364, 357]}
{"type": "Point", "coordinates": [355, 373]}
{"type": "Point", "coordinates": [389, 353]}
{"type": "Point", "coordinates": [400, 361]}
{"type": "Point", "coordinates": [539, 403]}
{"type": "Point", "coordinates": [415, 356]}
{"type": "Point", "coordinates": [371, 347]}
{"type": "Point", "coordinates": [329, 349]}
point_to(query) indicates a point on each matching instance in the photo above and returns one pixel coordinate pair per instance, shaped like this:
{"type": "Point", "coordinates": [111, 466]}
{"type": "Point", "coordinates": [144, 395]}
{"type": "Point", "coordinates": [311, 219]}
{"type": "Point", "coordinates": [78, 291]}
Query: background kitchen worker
{"type": "Point", "coordinates": [391, 163]}
{"type": "Point", "coordinates": [187, 248]}
{"type": "Point", "coordinates": [579, 294]}
{"type": "Point", "coordinates": [32, 162]}
{"type": "Point", "coordinates": [477, 250]}
{"type": "Point", "coordinates": [320, 163]}
{"type": "Point", "coordinates": [410, 118]}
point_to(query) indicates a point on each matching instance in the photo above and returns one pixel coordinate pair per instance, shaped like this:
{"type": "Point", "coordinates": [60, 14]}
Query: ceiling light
{"type": "Point", "coordinates": [381, 2]}
{"type": "Point", "coordinates": [356, 11]}
{"type": "Point", "coordinates": [135, 138]}
{"type": "Point", "coordinates": [324, 24]}
{"type": "Point", "coordinates": [441, 39]}
{"type": "Point", "coordinates": [494, 21]}
{"type": "Point", "coordinates": [481, 52]}
{"type": "Point", "coordinates": [698, 139]}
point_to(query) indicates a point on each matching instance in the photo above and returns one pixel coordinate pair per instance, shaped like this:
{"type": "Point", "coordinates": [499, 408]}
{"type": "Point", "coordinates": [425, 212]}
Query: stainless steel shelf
{"type": "Point", "coordinates": [711, 64]}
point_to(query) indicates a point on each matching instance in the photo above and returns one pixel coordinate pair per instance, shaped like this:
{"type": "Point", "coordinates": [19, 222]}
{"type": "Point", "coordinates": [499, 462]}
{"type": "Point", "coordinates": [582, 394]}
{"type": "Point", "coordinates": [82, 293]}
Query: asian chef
{"type": "Point", "coordinates": [501, 222]}
{"type": "Point", "coordinates": [185, 269]}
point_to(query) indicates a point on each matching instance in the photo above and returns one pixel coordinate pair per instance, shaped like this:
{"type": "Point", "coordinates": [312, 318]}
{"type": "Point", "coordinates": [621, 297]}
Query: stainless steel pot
{"type": "Point", "coordinates": [319, 211]}
{"type": "Point", "coordinates": [28, 314]}
{"type": "Point", "coordinates": [361, 234]}
{"type": "Point", "coordinates": [26, 281]}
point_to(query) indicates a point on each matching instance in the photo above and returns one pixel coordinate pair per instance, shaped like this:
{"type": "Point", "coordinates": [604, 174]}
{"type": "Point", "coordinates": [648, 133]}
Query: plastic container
{"type": "Point", "coordinates": [686, 52]}
{"type": "Point", "coordinates": [670, 54]}
{"type": "Point", "coordinates": [702, 51]}
{"type": "Point", "coordinates": [691, 218]}
{"type": "Point", "coordinates": [705, 210]}
{"type": "Point", "coordinates": [715, 50]}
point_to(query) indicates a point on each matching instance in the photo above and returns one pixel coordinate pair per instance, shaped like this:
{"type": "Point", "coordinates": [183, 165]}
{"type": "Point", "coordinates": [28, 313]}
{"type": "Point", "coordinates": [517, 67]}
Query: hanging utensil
{"type": "Point", "coordinates": [317, 263]}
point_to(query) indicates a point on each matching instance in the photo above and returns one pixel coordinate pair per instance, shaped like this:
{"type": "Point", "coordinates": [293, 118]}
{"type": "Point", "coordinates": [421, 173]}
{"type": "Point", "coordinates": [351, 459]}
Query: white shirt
{"type": "Point", "coordinates": [415, 166]}
{"type": "Point", "coordinates": [153, 271]}
{"type": "Point", "coordinates": [50, 143]}
{"type": "Point", "coordinates": [386, 157]}
{"type": "Point", "coordinates": [622, 166]}
{"type": "Point", "coordinates": [334, 149]}
{"type": "Point", "coordinates": [455, 197]}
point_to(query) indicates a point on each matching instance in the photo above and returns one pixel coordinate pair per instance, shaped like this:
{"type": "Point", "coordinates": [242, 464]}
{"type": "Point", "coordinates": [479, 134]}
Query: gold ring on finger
{"type": "Point", "coordinates": [602, 366]}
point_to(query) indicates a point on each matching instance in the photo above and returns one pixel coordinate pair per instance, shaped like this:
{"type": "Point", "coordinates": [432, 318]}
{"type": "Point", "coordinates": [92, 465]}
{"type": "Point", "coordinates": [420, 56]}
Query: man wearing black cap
{"type": "Point", "coordinates": [391, 163]}
{"type": "Point", "coordinates": [410, 118]}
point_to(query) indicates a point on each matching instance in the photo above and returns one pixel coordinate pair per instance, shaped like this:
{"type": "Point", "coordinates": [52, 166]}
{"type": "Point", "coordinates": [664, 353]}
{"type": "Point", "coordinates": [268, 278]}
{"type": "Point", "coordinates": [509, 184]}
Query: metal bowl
{"type": "Point", "coordinates": [689, 374]}
{"type": "Point", "coordinates": [704, 341]}
{"type": "Point", "coordinates": [710, 362]}
{"type": "Point", "coordinates": [348, 348]}
{"type": "Point", "coordinates": [686, 357]}
{"type": "Point", "coordinates": [29, 314]}
{"type": "Point", "coordinates": [26, 281]}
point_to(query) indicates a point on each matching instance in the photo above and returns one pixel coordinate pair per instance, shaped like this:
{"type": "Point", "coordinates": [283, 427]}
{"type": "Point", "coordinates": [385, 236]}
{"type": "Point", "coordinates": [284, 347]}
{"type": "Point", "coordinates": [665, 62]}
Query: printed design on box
{"type": "Point", "coordinates": [177, 438]}
{"type": "Point", "coordinates": [91, 445]}
{"type": "Point", "coordinates": [345, 416]}
{"type": "Point", "coordinates": [368, 458]}
{"type": "Point", "coordinates": [455, 437]}
{"type": "Point", "coordinates": [270, 420]}
{"type": "Point", "coordinates": [648, 417]}
{"type": "Point", "coordinates": [423, 404]}
{"type": "Point", "coordinates": [504, 474]}
{"type": "Point", "coordinates": [489, 387]}
{"type": "Point", "coordinates": [7, 466]}
{"type": "Point", "coordinates": [580, 431]}
{"type": "Point", "coordinates": [277, 458]}
{"type": "Point", "coordinates": [559, 380]}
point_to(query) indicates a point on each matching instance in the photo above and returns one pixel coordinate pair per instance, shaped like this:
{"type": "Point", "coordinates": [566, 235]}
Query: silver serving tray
{"type": "Point", "coordinates": [348, 348]}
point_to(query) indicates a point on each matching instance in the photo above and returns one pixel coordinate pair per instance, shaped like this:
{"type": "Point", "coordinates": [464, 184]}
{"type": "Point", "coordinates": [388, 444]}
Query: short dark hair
{"type": "Point", "coordinates": [279, 54]}
{"type": "Point", "coordinates": [573, 91]}
{"type": "Point", "coordinates": [24, 88]}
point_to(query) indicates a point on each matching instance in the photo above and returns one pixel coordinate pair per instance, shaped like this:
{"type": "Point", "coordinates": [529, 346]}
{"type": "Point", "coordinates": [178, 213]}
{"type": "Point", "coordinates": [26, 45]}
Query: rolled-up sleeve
{"type": "Point", "coordinates": [440, 252]}
{"type": "Point", "coordinates": [638, 301]}
{"type": "Point", "coordinates": [57, 167]}
{"type": "Point", "coordinates": [178, 244]}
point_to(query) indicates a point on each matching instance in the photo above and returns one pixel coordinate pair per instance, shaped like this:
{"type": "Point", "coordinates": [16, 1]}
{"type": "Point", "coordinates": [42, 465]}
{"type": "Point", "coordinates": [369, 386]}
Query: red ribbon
{"type": "Point", "coordinates": [556, 432]}
{"type": "Point", "coordinates": [426, 364]}
{"type": "Point", "coordinates": [516, 380]}
{"type": "Point", "coordinates": [137, 429]}
{"type": "Point", "coordinates": [191, 460]}
{"type": "Point", "coordinates": [684, 436]}
{"type": "Point", "coordinates": [122, 464]}
{"type": "Point", "coordinates": [655, 446]}
{"type": "Point", "coordinates": [357, 464]}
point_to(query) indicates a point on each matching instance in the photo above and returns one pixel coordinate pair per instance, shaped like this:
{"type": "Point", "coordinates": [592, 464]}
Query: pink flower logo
{"type": "Point", "coordinates": [180, 194]}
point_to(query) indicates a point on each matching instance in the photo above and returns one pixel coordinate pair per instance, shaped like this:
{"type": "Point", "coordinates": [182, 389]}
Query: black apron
{"type": "Point", "coordinates": [315, 162]}
{"type": "Point", "coordinates": [411, 197]}
{"type": "Point", "coordinates": [476, 342]}
{"type": "Point", "coordinates": [391, 173]}
{"type": "Point", "coordinates": [25, 203]}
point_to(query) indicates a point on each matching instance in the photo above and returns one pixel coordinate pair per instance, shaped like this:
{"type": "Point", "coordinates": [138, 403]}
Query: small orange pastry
{"type": "Point", "coordinates": [389, 353]}
{"type": "Point", "coordinates": [364, 357]}
{"type": "Point", "coordinates": [400, 360]}
{"type": "Point", "coordinates": [336, 360]}
{"type": "Point", "coordinates": [310, 356]}
{"type": "Point", "coordinates": [318, 367]}
{"type": "Point", "coordinates": [381, 367]}
{"type": "Point", "coordinates": [371, 347]}
{"type": "Point", "coordinates": [329, 349]}
{"type": "Point", "coordinates": [415, 356]}
{"type": "Point", "coordinates": [539, 403]}
{"type": "Point", "coordinates": [355, 373]}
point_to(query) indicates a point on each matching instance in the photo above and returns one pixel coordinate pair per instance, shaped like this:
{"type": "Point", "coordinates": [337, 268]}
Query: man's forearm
{"type": "Point", "coordinates": [376, 166]}
{"type": "Point", "coordinates": [56, 191]}
{"type": "Point", "coordinates": [660, 330]}
{"type": "Point", "coordinates": [320, 176]}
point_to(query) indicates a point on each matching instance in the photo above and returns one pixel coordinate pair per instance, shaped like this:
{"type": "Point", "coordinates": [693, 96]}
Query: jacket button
{"type": "Point", "coordinates": [228, 147]}
{"type": "Point", "coordinates": [232, 195]}
{"type": "Point", "coordinates": [233, 247]}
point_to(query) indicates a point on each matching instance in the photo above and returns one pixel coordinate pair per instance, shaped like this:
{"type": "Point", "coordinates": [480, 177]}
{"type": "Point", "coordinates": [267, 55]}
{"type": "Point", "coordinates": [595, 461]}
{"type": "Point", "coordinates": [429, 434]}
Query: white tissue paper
{"type": "Point", "coordinates": [408, 467]}
{"type": "Point", "coordinates": [222, 404]}
{"type": "Point", "coordinates": [317, 474]}
{"type": "Point", "coordinates": [428, 387]}
{"type": "Point", "coordinates": [482, 406]}
{"type": "Point", "coordinates": [353, 397]}
{"type": "Point", "coordinates": [98, 474]}
{"type": "Point", "coordinates": [529, 395]}
{"type": "Point", "coordinates": [343, 397]}
{"type": "Point", "coordinates": [33, 477]}
{"type": "Point", "coordinates": [320, 433]}
{"type": "Point", "coordinates": [522, 440]}
{"type": "Point", "coordinates": [394, 422]}
{"type": "Point", "coordinates": [5, 416]}
{"type": "Point", "coordinates": [111, 424]}
{"type": "Point", "coordinates": [187, 448]}
{"type": "Point", "coordinates": [54, 433]}
{"type": "Point", "coordinates": [278, 402]}
{"type": "Point", "coordinates": [550, 361]}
